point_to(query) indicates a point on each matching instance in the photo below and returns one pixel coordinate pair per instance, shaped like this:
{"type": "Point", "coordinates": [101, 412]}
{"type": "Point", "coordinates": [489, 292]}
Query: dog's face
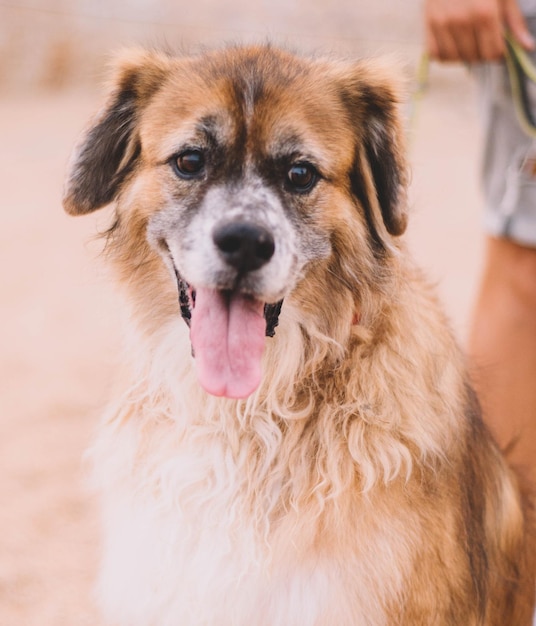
{"type": "Point", "coordinates": [252, 173]}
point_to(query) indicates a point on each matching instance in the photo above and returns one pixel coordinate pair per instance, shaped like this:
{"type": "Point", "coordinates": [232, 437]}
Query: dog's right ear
{"type": "Point", "coordinates": [108, 150]}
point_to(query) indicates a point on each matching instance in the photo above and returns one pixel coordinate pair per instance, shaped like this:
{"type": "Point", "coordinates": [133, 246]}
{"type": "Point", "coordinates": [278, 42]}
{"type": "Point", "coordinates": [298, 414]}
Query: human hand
{"type": "Point", "coordinates": [472, 30]}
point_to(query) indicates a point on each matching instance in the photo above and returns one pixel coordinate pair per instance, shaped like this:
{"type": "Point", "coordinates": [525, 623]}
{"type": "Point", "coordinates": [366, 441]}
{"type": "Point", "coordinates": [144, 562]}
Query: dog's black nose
{"type": "Point", "coordinates": [244, 245]}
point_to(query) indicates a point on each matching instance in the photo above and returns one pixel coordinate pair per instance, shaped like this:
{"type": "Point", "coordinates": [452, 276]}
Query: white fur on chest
{"type": "Point", "coordinates": [182, 549]}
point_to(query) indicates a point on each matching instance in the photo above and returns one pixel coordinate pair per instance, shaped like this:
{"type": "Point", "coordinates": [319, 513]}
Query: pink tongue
{"type": "Point", "coordinates": [227, 334]}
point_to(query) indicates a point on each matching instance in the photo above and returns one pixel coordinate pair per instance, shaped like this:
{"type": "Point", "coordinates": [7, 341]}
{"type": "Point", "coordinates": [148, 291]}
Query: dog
{"type": "Point", "coordinates": [297, 442]}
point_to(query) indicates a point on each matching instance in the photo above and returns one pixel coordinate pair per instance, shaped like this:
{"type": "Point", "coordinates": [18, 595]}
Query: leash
{"type": "Point", "coordinates": [521, 73]}
{"type": "Point", "coordinates": [421, 86]}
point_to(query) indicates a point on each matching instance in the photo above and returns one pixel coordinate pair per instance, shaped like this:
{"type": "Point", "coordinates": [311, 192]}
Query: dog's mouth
{"type": "Point", "coordinates": [227, 331]}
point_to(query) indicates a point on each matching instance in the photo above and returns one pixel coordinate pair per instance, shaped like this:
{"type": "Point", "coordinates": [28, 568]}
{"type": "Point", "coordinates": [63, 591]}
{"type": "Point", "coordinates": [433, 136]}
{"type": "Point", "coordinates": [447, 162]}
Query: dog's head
{"type": "Point", "coordinates": [255, 175]}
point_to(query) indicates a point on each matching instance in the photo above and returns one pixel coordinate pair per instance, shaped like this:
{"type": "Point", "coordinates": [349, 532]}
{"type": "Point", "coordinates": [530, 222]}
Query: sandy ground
{"type": "Point", "coordinates": [60, 326]}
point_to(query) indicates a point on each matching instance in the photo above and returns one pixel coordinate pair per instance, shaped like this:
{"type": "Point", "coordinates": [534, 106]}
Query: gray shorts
{"type": "Point", "coordinates": [509, 163]}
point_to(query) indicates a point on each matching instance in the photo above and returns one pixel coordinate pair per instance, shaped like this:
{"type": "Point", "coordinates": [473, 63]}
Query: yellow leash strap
{"type": "Point", "coordinates": [421, 85]}
{"type": "Point", "coordinates": [521, 72]}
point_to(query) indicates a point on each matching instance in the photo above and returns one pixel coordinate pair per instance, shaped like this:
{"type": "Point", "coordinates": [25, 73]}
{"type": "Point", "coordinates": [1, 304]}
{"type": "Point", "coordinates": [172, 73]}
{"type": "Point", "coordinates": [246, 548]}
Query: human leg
{"type": "Point", "coordinates": [503, 347]}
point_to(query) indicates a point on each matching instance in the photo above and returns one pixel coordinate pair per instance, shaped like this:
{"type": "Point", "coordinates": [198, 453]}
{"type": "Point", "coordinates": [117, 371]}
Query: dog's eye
{"type": "Point", "coordinates": [302, 177]}
{"type": "Point", "coordinates": [188, 163]}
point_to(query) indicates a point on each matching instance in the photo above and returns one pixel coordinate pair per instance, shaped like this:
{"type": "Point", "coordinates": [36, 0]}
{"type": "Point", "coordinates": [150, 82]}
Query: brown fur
{"type": "Point", "coordinates": [382, 463]}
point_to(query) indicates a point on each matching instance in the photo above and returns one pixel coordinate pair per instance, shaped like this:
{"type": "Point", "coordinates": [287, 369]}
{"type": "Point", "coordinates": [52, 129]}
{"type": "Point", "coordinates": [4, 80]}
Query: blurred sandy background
{"type": "Point", "coordinates": [59, 322]}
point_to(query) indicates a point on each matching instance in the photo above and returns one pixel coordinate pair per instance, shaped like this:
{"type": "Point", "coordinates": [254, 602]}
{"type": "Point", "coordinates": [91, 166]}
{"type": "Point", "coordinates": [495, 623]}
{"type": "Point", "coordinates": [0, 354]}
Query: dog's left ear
{"type": "Point", "coordinates": [379, 177]}
{"type": "Point", "coordinates": [108, 150]}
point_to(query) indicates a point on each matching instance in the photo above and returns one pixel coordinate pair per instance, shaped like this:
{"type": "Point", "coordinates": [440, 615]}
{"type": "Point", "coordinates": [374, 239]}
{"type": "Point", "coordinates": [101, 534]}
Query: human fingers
{"type": "Point", "coordinates": [439, 42]}
{"type": "Point", "coordinates": [489, 32]}
{"type": "Point", "coordinates": [446, 48]}
{"type": "Point", "coordinates": [468, 30]}
{"type": "Point", "coordinates": [514, 20]}
{"type": "Point", "coordinates": [463, 33]}
{"type": "Point", "coordinates": [453, 29]}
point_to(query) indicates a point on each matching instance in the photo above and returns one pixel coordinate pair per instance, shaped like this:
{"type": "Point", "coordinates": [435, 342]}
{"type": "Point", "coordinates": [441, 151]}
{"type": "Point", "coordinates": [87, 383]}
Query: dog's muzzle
{"type": "Point", "coordinates": [228, 326]}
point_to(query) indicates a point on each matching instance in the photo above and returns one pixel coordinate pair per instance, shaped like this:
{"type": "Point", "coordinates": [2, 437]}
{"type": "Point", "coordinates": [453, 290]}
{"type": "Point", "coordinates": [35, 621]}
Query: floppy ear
{"type": "Point", "coordinates": [108, 150]}
{"type": "Point", "coordinates": [379, 177]}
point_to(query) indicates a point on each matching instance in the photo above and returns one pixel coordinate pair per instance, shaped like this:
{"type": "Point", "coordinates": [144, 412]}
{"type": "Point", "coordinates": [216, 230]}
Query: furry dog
{"type": "Point", "coordinates": [303, 448]}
